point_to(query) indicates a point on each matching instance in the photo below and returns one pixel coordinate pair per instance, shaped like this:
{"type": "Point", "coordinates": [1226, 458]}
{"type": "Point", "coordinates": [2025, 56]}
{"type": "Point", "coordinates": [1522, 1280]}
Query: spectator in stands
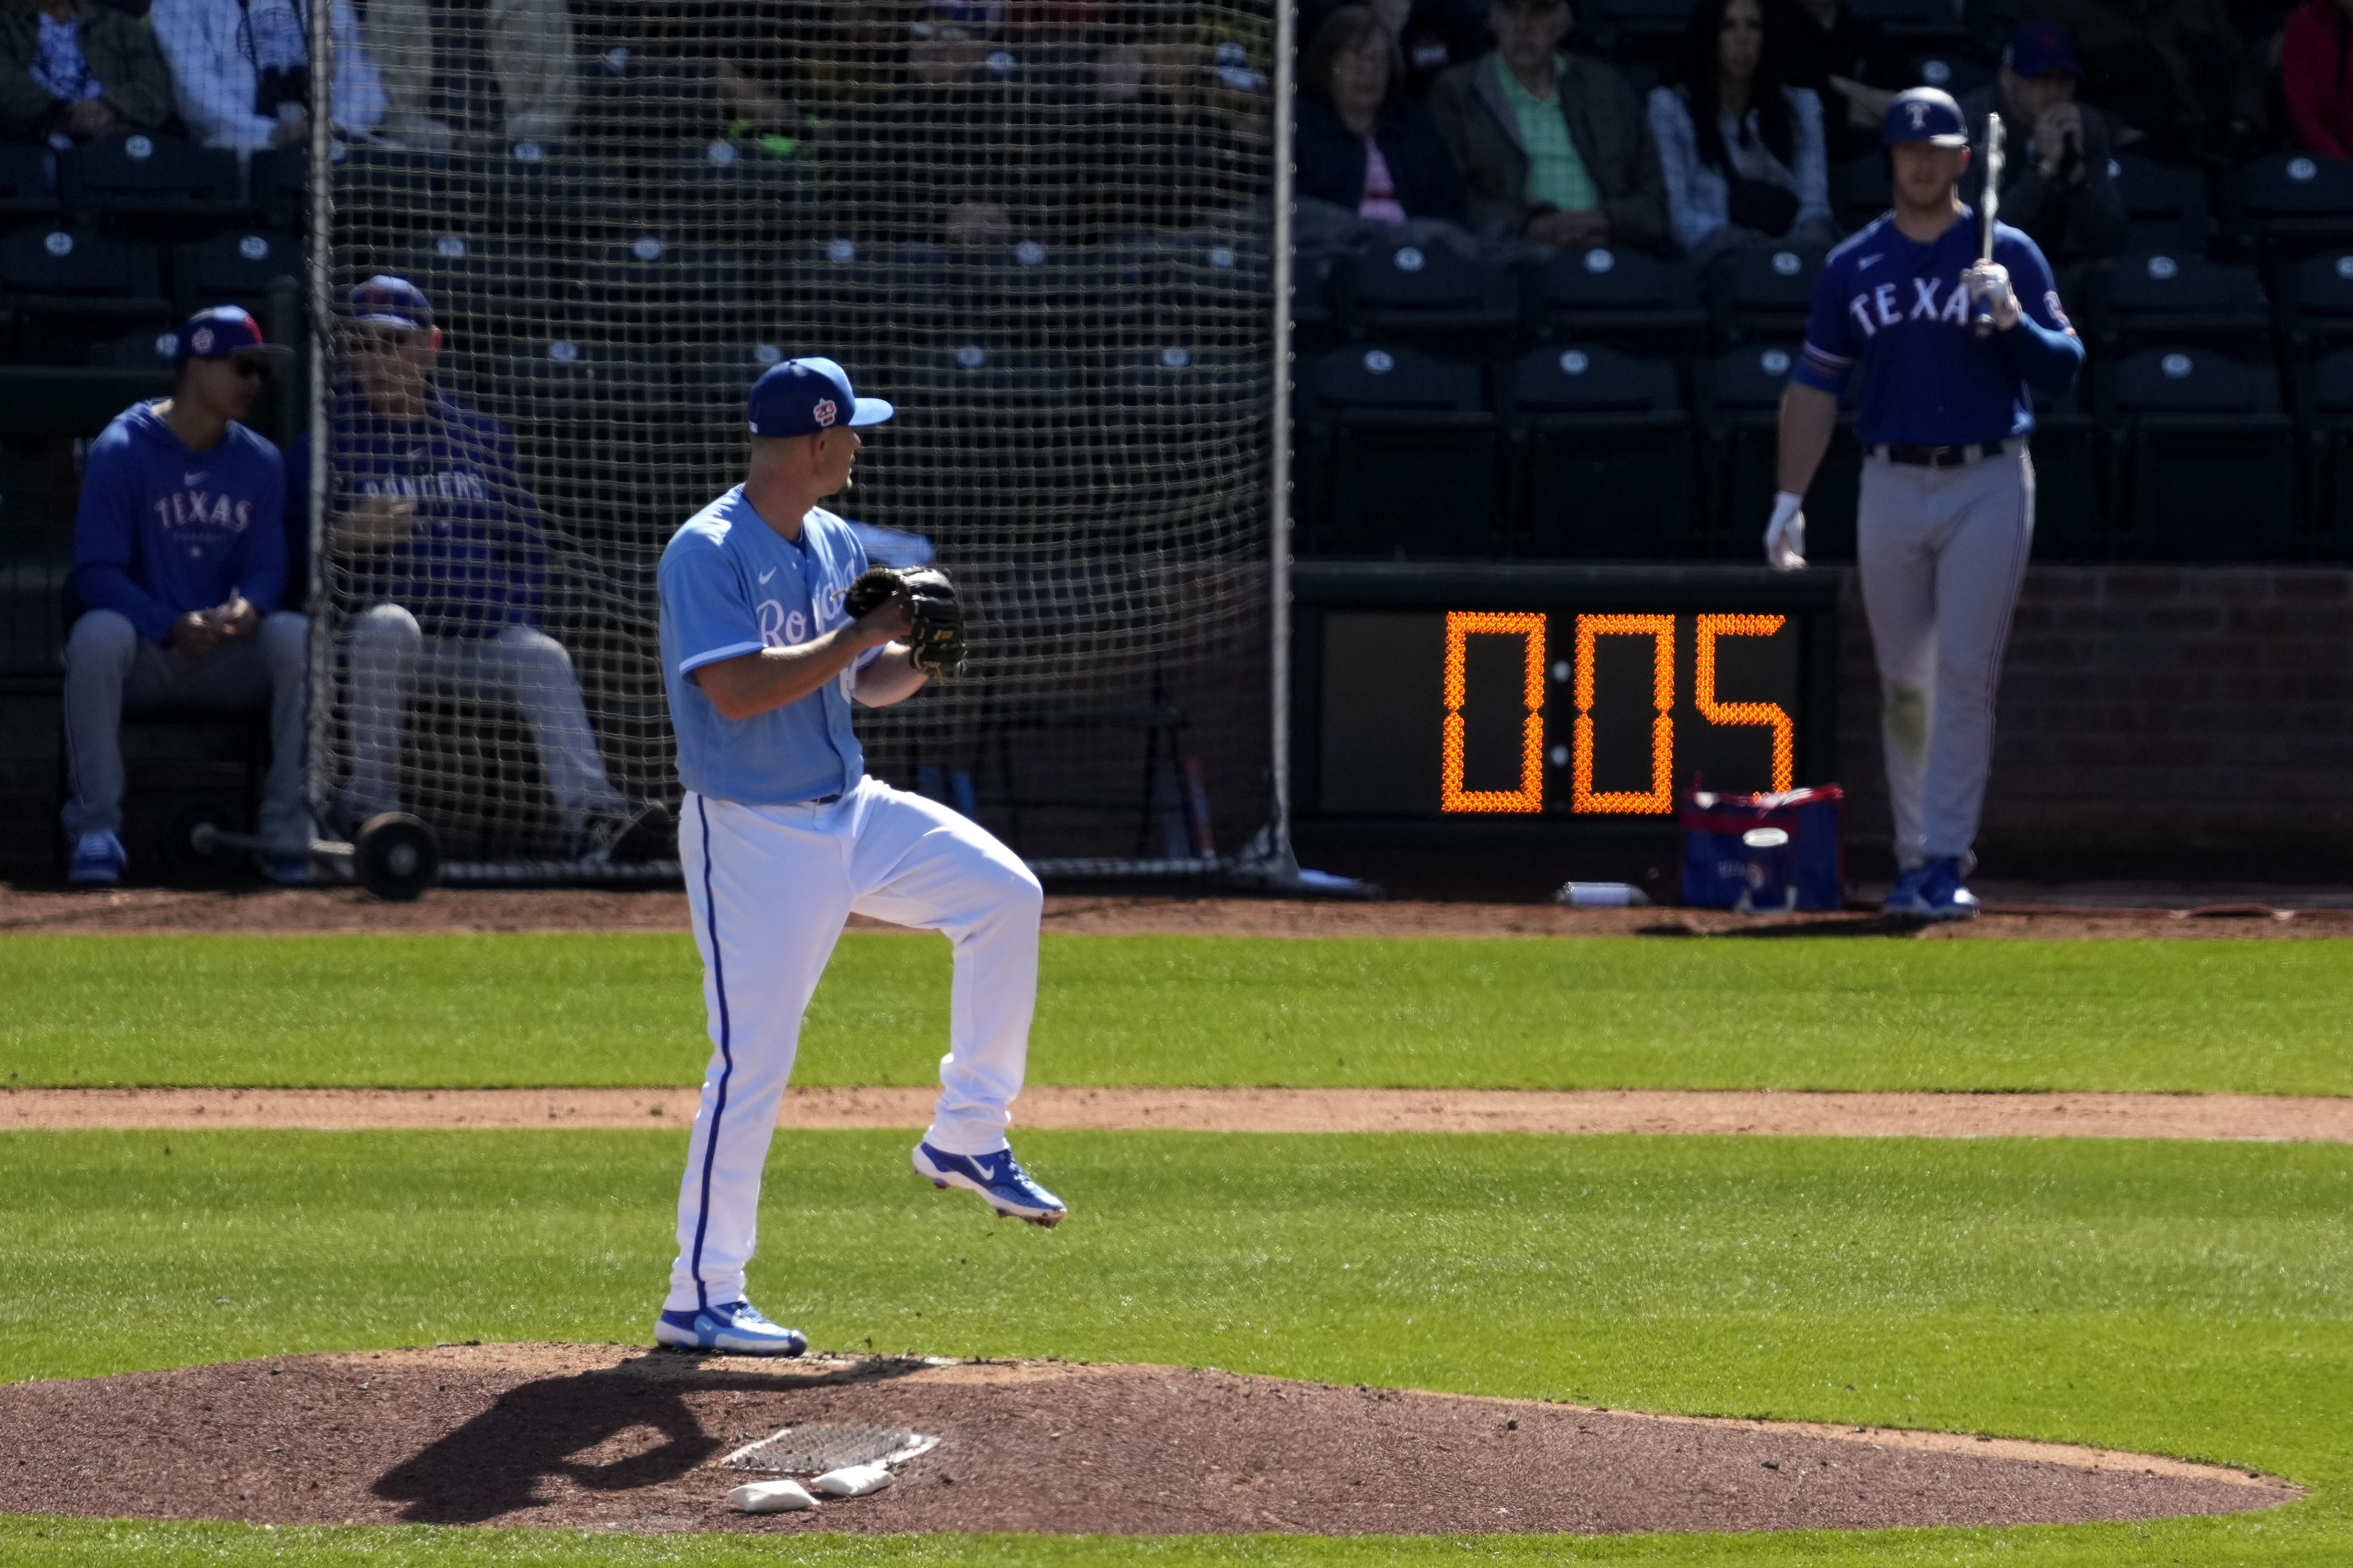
{"type": "Point", "coordinates": [433, 520]}
{"type": "Point", "coordinates": [2316, 77]}
{"type": "Point", "coordinates": [72, 69]}
{"type": "Point", "coordinates": [1359, 144]}
{"type": "Point", "coordinates": [524, 46]}
{"type": "Point", "coordinates": [241, 70]}
{"type": "Point", "coordinates": [180, 558]}
{"type": "Point", "coordinates": [1179, 125]}
{"type": "Point", "coordinates": [2056, 185]}
{"type": "Point", "coordinates": [1433, 36]}
{"type": "Point", "coordinates": [1554, 145]}
{"type": "Point", "coordinates": [1845, 60]}
{"type": "Point", "coordinates": [1743, 151]}
{"type": "Point", "coordinates": [2170, 74]}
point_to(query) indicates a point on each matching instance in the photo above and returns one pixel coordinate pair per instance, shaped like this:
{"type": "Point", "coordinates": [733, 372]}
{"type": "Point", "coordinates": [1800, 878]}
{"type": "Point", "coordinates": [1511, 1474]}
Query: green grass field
{"type": "Point", "coordinates": [456, 1011]}
{"type": "Point", "coordinates": [2191, 1299]}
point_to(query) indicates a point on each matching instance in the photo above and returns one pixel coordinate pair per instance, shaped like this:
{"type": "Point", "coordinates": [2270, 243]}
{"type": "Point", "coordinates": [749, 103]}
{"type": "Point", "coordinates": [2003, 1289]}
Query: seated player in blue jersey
{"type": "Point", "coordinates": [431, 520]}
{"type": "Point", "coordinates": [180, 558]}
{"type": "Point", "coordinates": [1950, 343]}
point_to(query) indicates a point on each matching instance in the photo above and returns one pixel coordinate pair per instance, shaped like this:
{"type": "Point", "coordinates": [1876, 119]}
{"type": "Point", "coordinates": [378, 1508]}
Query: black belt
{"type": "Point", "coordinates": [1938, 457]}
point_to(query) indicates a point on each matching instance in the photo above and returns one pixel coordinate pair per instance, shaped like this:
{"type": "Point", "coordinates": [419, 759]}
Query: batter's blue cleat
{"type": "Point", "coordinates": [98, 861]}
{"type": "Point", "coordinates": [999, 1178]}
{"type": "Point", "coordinates": [1932, 891]}
{"type": "Point", "coordinates": [735, 1329]}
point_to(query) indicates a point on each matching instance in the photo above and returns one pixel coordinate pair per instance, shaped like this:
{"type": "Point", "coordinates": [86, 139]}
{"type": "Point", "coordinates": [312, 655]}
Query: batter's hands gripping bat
{"type": "Point", "coordinates": [936, 634]}
{"type": "Point", "coordinates": [1986, 207]}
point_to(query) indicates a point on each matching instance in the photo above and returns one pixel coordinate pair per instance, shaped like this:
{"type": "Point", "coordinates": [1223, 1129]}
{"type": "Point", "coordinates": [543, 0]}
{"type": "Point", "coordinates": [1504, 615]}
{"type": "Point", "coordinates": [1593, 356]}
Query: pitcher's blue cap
{"type": "Point", "coordinates": [1924, 114]}
{"type": "Point", "coordinates": [2040, 48]}
{"type": "Point", "coordinates": [223, 330]}
{"type": "Point", "coordinates": [385, 301]}
{"type": "Point", "coordinates": [803, 396]}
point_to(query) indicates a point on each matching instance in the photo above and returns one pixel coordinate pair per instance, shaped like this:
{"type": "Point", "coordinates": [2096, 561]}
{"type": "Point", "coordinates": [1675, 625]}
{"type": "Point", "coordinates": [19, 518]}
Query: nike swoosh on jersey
{"type": "Point", "coordinates": [1864, 264]}
{"type": "Point", "coordinates": [415, 452]}
{"type": "Point", "coordinates": [768, 574]}
{"type": "Point", "coordinates": [195, 479]}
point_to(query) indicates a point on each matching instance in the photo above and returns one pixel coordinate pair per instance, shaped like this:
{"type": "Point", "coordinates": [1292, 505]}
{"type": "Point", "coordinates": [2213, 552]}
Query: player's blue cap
{"type": "Point", "coordinates": [803, 396]}
{"type": "Point", "coordinates": [220, 332]}
{"type": "Point", "coordinates": [1924, 114]}
{"type": "Point", "coordinates": [385, 301]}
{"type": "Point", "coordinates": [2040, 48]}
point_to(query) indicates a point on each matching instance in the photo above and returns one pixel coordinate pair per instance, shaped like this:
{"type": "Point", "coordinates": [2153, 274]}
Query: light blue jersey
{"type": "Point", "coordinates": [731, 585]}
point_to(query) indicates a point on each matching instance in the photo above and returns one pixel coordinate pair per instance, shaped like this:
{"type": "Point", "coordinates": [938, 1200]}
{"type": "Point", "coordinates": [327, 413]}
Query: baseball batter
{"type": "Point", "coordinates": [1947, 507]}
{"type": "Point", "coordinates": [783, 836]}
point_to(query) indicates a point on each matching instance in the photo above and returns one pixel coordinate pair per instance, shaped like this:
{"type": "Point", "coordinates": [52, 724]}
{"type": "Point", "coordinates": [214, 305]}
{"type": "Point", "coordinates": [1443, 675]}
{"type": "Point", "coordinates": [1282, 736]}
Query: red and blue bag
{"type": "Point", "coordinates": [1765, 853]}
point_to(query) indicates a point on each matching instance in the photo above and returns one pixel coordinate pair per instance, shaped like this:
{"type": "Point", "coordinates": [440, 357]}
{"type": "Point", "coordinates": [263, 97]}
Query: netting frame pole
{"type": "Point", "coordinates": [321, 316]}
{"type": "Point", "coordinates": [1279, 445]}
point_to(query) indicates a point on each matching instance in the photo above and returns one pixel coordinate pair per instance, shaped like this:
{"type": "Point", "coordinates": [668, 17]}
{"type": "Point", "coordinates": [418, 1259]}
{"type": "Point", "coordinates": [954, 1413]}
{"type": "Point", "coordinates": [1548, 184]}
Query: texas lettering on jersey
{"type": "Point", "coordinates": [203, 509]}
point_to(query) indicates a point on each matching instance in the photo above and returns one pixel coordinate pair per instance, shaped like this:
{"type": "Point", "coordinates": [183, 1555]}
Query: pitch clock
{"type": "Point", "coordinates": [1561, 694]}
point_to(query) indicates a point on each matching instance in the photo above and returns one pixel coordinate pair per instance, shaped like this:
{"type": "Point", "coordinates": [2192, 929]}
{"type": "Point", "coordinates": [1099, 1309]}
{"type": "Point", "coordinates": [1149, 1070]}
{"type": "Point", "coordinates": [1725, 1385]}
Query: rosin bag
{"type": "Point", "coordinates": [1765, 854]}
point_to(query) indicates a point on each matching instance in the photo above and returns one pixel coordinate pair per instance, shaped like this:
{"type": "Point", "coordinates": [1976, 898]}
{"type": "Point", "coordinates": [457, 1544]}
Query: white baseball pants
{"type": "Point", "coordinates": [389, 654]}
{"type": "Point", "coordinates": [771, 887]}
{"type": "Point", "coordinates": [1942, 553]}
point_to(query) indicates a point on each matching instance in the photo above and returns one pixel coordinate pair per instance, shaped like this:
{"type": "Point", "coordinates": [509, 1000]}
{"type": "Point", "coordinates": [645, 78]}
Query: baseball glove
{"type": "Point", "coordinates": [937, 634]}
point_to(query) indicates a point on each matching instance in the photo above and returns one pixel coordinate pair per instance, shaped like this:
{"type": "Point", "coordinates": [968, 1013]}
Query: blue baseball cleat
{"type": "Point", "coordinates": [286, 870]}
{"type": "Point", "coordinates": [1932, 891]}
{"type": "Point", "coordinates": [98, 861]}
{"type": "Point", "coordinates": [999, 1178]}
{"type": "Point", "coordinates": [735, 1329]}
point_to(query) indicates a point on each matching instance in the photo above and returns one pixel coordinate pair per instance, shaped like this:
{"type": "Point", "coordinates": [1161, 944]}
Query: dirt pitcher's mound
{"type": "Point", "coordinates": [615, 1437]}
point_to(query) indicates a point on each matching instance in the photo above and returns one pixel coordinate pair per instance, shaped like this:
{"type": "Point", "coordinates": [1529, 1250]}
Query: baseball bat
{"type": "Point", "coordinates": [1987, 205]}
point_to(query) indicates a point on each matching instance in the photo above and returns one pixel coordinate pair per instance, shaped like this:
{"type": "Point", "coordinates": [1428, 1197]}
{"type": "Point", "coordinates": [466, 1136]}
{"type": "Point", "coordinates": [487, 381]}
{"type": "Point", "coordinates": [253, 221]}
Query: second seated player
{"type": "Point", "coordinates": [1947, 507]}
{"type": "Point", "coordinates": [435, 524]}
{"type": "Point", "coordinates": [784, 837]}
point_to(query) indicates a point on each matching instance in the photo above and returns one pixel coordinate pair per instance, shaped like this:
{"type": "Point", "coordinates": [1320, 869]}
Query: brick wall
{"type": "Point", "coordinates": [2155, 721]}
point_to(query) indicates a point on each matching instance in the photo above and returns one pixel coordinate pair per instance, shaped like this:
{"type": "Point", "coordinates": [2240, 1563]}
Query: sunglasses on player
{"type": "Point", "coordinates": [249, 368]}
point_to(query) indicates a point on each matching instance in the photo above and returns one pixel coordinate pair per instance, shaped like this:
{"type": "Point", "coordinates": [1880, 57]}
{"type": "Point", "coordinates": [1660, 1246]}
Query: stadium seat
{"type": "Point", "coordinates": [478, 286]}
{"type": "Point", "coordinates": [70, 287]}
{"type": "Point", "coordinates": [277, 179]}
{"type": "Point", "coordinates": [2288, 205]}
{"type": "Point", "coordinates": [993, 408]}
{"type": "Point", "coordinates": [240, 267]}
{"type": "Point", "coordinates": [2179, 297]}
{"type": "Point", "coordinates": [648, 281]}
{"type": "Point", "coordinates": [28, 183]}
{"type": "Point", "coordinates": [724, 192]}
{"type": "Point", "coordinates": [1861, 191]}
{"type": "Point", "coordinates": [2168, 206]}
{"type": "Point", "coordinates": [1617, 296]}
{"type": "Point", "coordinates": [387, 194]}
{"type": "Point", "coordinates": [1602, 460]}
{"type": "Point", "coordinates": [2069, 523]}
{"type": "Point", "coordinates": [1426, 287]}
{"type": "Point", "coordinates": [1398, 455]}
{"type": "Point", "coordinates": [1763, 292]}
{"type": "Point", "coordinates": [1638, 32]}
{"type": "Point", "coordinates": [1021, 288]}
{"type": "Point", "coordinates": [2201, 461]}
{"type": "Point", "coordinates": [1739, 398]}
{"type": "Point", "coordinates": [2314, 298]}
{"type": "Point", "coordinates": [2325, 414]}
{"type": "Point", "coordinates": [1955, 70]}
{"type": "Point", "coordinates": [152, 186]}
{"type": "Point", "coordinates": [1176, 381]}
{"type": "Point", "coordinates": [41, 400]}
{"type": "Point", "coordinates": [874, 285]}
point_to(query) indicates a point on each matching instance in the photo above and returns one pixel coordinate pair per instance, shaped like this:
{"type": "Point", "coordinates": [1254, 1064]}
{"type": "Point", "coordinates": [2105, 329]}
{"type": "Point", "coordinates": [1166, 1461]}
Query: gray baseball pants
{"type": "Point", "coordinates": [111, 669]}
{"type": "Point", "coordinates": [1942, 552]}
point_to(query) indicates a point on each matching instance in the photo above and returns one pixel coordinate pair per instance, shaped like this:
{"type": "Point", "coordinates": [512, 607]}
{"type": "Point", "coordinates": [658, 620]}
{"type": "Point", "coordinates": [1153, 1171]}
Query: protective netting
{"type": "Point", "coordinates": [1042, 229]}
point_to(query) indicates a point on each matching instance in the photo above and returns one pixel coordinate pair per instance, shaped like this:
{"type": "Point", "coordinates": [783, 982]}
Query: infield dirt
{"type": "Point", "coordinates": [620, 1439]}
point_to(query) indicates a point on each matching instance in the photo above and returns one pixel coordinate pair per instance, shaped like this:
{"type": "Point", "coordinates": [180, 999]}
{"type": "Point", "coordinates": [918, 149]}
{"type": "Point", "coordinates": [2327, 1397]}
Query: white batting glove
{"type": "Point", "coordinates": [1989, 281]}
{"type": "Point", "coordinates": [1785, 536]}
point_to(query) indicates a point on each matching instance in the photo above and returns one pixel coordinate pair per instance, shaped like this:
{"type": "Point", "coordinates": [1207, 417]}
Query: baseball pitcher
{"type": "Point", "coordinates": [771, 627]}
{"type": "Point", "coordinates": [1947, 508]}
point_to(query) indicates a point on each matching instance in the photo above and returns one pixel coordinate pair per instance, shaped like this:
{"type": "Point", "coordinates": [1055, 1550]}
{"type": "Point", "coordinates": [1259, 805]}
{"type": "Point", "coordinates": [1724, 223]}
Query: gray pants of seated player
{"type": "Point", "coordinates": [1942, 552]}
{"type": "Point", "coordinates": [111, 669]}
{"type": "Point", "coordinates": [389, 654]}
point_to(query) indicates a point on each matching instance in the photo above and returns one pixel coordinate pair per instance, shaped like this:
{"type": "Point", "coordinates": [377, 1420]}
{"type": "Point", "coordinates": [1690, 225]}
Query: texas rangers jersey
{"type": "Point", "coordinates": [730, 584]}
{"type": "Point", "coordinates": [1897, 308]}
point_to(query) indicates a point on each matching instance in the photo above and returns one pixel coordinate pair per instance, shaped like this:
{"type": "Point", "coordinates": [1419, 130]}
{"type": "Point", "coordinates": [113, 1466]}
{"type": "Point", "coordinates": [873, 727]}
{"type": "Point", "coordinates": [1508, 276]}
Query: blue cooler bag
{"type": "Point", "coordinates": [1765, 854]}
